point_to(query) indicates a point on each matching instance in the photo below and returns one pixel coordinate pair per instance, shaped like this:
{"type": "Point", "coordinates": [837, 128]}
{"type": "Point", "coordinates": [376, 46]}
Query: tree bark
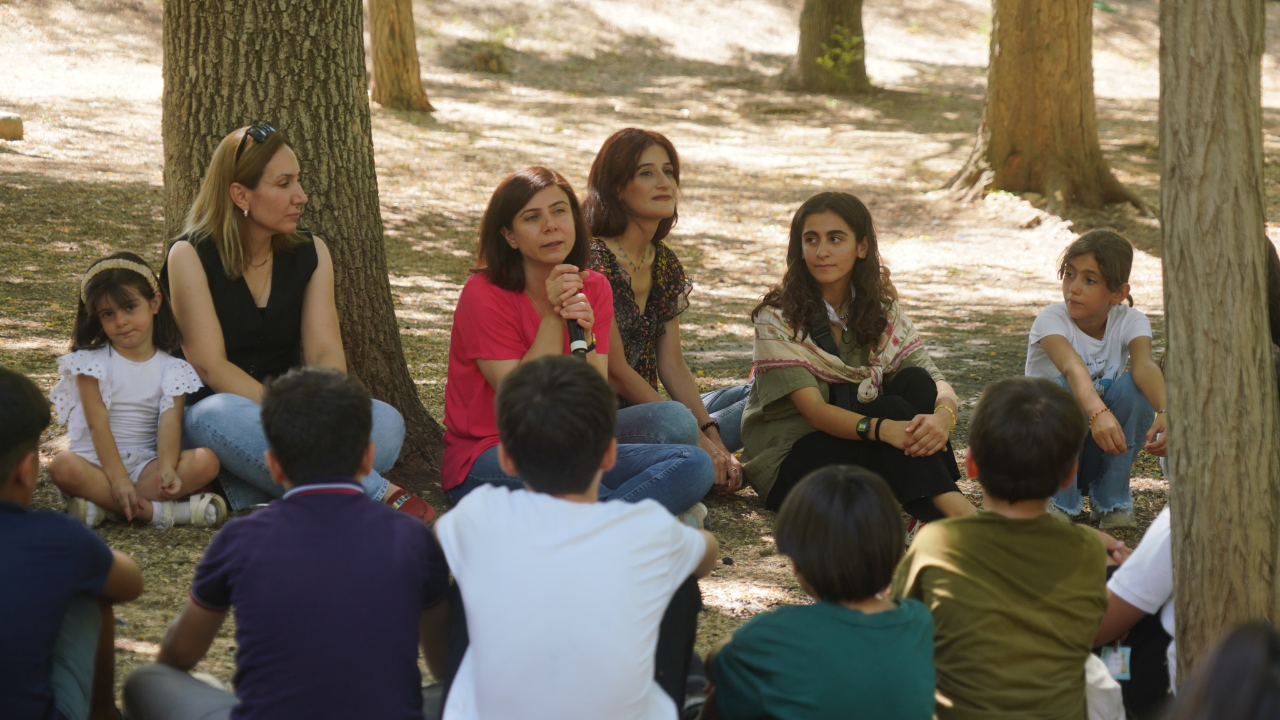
{"type": "Point", "coordinates": [1224, 416]}
{"type": "Point", "coordinates": [830, 29]}
{"type": "Point", "coordinates": [1039, 130]}
{"type": "Point", "coordinates": [299, 65]}
{"type": "Point", "coordinates": [397, 77]}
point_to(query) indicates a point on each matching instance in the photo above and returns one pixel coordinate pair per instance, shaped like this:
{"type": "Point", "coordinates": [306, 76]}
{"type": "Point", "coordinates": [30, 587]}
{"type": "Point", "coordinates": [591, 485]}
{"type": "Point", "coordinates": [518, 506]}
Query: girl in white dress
{"type": "Point", "coordinates": [121, 394]}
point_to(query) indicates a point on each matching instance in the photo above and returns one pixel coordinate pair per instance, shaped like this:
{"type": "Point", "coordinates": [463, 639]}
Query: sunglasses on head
{"type": "Point", "coordinates": [258, 132]}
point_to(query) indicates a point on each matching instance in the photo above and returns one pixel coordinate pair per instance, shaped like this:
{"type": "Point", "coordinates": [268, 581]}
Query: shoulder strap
{"type": "Point", "coordinates": [820, 331]}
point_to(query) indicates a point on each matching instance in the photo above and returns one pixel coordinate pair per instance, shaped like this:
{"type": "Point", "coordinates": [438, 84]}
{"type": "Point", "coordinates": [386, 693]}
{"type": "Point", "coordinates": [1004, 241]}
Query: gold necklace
{"type": "Point", "coordinates": [266, 279]}
{"type": "Point", "coordinates": [270, 254]}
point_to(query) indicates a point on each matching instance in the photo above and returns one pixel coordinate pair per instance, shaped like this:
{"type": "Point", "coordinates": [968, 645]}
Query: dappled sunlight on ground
{"type": "Point", "coordinates": [86, 76]}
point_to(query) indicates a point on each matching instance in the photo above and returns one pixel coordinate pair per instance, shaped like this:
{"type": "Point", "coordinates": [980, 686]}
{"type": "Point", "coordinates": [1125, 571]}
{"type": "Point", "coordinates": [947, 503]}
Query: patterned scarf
{"type": "Point", "coordinates": [776, 347]}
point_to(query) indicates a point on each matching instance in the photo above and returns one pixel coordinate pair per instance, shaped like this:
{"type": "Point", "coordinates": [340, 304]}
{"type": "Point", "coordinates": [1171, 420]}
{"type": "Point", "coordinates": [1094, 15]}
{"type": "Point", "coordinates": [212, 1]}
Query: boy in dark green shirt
{"type": "Point", "coordinates": [1016, 594]}
{"type": "Point", "coordinates": [850, 655]}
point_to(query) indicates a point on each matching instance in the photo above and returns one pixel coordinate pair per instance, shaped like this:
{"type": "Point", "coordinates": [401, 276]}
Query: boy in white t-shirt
{"type": "Point", "coordinates": [563, 594]}
{"type": "Point", "coordinates": [1084, 343]}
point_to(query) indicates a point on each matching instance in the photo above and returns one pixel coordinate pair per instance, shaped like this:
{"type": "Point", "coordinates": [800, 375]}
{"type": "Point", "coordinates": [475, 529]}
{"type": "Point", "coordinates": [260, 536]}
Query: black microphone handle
{"type": "Point", "coordinates": [577, 340]}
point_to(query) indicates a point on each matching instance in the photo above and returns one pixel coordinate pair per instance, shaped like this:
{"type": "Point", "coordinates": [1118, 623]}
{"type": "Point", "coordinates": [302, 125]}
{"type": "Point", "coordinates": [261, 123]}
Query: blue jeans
{"type": "Point", "coordinates": [231, 426]}
{"type": "Point", "coordinates": [675, 475]}
{"type": "Point", "coordinates": [1103, 475]}
{"type": "Point", "coordinates": [74, 651]}
{"type": "Point", "coordinates": [726, 406]}
{"type": "Point", "coordinates": [670, 423]}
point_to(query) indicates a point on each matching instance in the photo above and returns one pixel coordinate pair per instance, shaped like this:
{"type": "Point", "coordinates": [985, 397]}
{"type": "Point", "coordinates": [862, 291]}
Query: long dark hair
{"type": "Point", "coordinates": [1241, 681]}
{"type": "Point", "coordinates": [613, 168]}
{"type": "Point", "coordinates": [503, 264]}
{"type": "Point", "coordinates": [122, 285]}
{"type": "Point", "coordinates": [799, 296]}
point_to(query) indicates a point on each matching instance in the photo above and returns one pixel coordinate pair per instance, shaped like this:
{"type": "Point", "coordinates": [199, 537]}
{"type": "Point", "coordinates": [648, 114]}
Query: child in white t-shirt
{"type": "Point", "coordinates": [121, 394]}
{"type": "Point", "coordinates": [563, 594]}
{"type": "Point", "coordinates": [1084, 343]}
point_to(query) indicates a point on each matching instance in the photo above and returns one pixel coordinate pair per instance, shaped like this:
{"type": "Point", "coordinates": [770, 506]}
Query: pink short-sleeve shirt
{"type": "Point", "coordinates": [490, 323]}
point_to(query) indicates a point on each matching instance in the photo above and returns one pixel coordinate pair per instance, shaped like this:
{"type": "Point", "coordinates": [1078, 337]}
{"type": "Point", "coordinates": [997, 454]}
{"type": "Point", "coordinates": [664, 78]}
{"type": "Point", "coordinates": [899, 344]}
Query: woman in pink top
{"type": "Point", "coordinates": [529, 282]}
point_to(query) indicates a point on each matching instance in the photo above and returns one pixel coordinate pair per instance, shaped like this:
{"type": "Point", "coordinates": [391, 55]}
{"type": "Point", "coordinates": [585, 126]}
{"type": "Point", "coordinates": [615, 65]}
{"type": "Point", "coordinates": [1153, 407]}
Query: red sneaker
{"type": "Point", "coordinates": [913, 527]}
{"type": "Point", "coordinates": [406, 502]}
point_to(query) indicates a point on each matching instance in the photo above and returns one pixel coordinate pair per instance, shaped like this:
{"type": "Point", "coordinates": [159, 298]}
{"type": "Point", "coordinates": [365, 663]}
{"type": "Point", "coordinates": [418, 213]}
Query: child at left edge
{"type": "Point", "coordinates": [121, 394]}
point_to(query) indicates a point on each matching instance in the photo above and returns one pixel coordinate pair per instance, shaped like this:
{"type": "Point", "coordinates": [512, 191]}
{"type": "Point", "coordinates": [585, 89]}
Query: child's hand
{"type": "Point", "coordinates": [170, 483]}
{"type": "Point", "coordinates": [1108, 434]}
{"type": "Point", "coordinates": [1157, 438]}
{"type": "Point", "coordinates": [127, 498]}
{"type": "Point", "coordinates": [1117, 551]}
{"type": "Point", "coordinates": [926, 434]}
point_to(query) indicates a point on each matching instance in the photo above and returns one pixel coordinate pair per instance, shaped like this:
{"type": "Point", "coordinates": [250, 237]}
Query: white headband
{"type": "Point", "coordinates": [118, 264]}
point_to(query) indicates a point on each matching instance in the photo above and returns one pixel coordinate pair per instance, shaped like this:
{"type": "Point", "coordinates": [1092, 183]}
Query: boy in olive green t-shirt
{"type": "Point", "coordinates": [1016, 594]}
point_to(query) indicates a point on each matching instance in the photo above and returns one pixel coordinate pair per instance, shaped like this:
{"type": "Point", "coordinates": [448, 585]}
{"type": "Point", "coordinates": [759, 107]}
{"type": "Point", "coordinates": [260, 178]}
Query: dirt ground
{"type": "Point", "coordinates": [85, 75]}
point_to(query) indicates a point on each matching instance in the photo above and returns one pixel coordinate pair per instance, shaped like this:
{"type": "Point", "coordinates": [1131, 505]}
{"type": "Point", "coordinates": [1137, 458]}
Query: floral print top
{"type": "Point", "coordinates": [668, 297]}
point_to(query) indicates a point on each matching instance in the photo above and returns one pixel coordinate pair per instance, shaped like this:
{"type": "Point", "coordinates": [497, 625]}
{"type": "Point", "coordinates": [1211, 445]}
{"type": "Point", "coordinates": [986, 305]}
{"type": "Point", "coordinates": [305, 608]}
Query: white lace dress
{"type": "Point", "coordinates": [134, 393]}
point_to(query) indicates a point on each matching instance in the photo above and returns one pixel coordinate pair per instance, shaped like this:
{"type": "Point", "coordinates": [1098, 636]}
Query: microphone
{"type": "Point", "coordinates": [577, 340]}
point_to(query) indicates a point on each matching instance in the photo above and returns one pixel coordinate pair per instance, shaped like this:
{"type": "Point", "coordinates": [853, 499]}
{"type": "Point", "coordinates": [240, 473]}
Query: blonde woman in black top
{"type": "Point", "coordinates": [254, 297]}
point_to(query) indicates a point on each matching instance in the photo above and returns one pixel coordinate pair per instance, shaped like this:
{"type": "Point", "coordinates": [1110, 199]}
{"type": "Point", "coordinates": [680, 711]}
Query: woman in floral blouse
{"type": "Point", "coordinates": [630, 208]}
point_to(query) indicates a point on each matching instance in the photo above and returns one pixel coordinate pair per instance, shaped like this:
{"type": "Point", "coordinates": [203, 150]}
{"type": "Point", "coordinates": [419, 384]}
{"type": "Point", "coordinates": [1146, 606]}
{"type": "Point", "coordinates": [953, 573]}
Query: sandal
{"type": "Point", "coordinates": [406, 502]}
{"type": "Point", "coordinates": [199, 505]}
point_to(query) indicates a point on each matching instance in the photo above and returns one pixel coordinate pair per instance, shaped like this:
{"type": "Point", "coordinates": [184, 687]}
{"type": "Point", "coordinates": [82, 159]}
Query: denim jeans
{"type": "Point", "coordinates": [231, 426]}
{"type": "Point", "coordinates": [726, 406]}
{"type": "Point", "coordinates": [1105, 477]}
{"type": "Point", "coordinates": [74, 651]}
{"type": "Point", "coordinates": [675, 475]}
{"type": "Point", "coordinates": [669, 423]}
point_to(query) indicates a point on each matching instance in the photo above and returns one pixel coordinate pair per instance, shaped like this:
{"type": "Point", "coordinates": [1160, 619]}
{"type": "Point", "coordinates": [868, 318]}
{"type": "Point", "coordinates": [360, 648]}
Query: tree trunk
{"type": "Point", "coordinates": [397, 77]}
{"type": "Point", "coordinates": [1039, 129]}
{"type": "Point", "coordinates": [299, 65]}
{"type": "Point", "coordinates": [1224, 417]}
{"type": "Point", "coordinates": [832, 56]}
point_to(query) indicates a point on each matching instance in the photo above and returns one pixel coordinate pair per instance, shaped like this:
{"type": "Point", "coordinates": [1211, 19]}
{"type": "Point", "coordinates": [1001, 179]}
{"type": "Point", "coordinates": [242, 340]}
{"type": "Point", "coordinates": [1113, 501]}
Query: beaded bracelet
{"type": "Point", "coordinates": [949, 411]}
{"type": "Point", "coordinates": [1095, 416]}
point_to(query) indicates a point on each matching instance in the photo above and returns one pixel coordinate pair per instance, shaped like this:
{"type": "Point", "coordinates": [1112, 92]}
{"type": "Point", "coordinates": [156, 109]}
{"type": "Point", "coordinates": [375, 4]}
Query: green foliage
{"type": "Point", "coordinates": [1105, 6]}
{"type": "Point", "coordinates": [840, 52]}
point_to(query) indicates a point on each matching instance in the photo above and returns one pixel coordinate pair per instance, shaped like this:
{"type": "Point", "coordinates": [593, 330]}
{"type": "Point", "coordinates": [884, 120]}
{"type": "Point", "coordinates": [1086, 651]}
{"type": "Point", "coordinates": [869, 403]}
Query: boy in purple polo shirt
{"type": "Point", "coordinates": [332, 591]}
{"type": "Point", "coordinates": [59, 580]}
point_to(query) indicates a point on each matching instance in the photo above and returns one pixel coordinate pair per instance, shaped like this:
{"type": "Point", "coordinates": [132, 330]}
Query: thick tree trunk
{"type": "Point", "coordinates": [1224, 418]}
{"type": "Point", "coordinates": [299, 65]}
{"type": "Point", "coordinates": [397, 78]}
{"type": "Point", "coordinates": [1039, 129]}
{"type": "Point", "coordinates": [832, 56]}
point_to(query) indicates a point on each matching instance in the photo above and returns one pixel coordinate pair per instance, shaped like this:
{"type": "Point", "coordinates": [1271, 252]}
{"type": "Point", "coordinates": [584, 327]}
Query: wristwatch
{"type": "Point", "coordinates": [864, 426]}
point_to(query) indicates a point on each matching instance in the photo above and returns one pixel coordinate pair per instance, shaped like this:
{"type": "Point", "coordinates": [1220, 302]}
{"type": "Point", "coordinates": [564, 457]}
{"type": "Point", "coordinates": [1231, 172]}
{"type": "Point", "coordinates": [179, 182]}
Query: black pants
{"type": "Point", "coordinates": [1147, 690]}
{"type": "Point", "coordinates": [914, 480]}
{"type": "Point", "coordinates": [676, 635]}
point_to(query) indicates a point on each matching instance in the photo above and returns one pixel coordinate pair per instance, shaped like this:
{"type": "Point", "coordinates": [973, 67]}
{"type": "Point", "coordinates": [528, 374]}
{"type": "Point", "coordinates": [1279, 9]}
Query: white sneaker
{"type": "Point", "coordinates": [695, 517]}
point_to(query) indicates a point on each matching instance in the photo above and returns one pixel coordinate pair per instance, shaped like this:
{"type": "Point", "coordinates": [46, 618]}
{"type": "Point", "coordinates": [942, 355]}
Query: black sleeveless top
{"type": "Point", "coordinates": [264, 342]}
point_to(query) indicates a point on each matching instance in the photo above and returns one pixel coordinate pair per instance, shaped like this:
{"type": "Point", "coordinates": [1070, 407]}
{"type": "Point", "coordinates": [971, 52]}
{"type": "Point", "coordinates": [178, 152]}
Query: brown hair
{"type": "Point", "coordinates": [842, 529]}
{"type": "Point", "coordinates": [612, 170]}
{"type": "Point", "coordinates": [1240, 680]}
{"type": "Point", "coordinates": [503, 264]}
{"type": "Point", "coordinates": [1110, 250]}
{"type": "Point", "coordinates": [121, 285]}
{"type": "Point", "coordinates": [556, 417]}
{"type": "Point", "coordinates": [1025, 435]}
{"type": "Point", "coordinates": [213, 217]}
{"type": "Point", "coordinates": [799, 297]}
